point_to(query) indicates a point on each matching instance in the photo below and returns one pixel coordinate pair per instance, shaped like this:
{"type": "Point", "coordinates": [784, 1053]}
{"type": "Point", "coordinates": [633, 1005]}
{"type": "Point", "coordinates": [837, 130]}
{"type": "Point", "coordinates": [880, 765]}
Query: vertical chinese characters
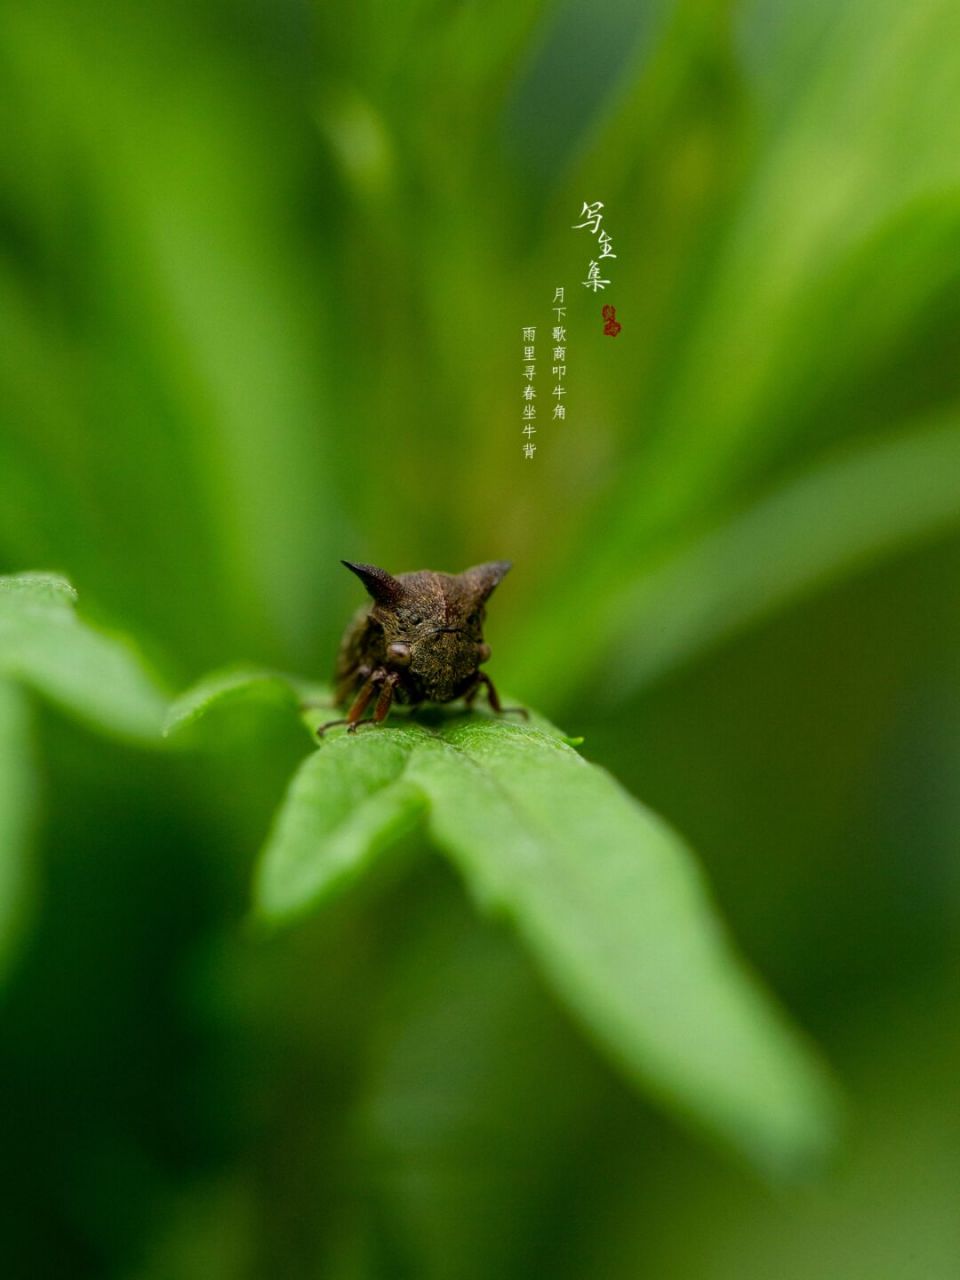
{"type": "Point", "coordinates": [559, 365]}
{"type": "Point", "coordinates": [529, 337]}
{"type": "Point", "coordinates": [592, 220]}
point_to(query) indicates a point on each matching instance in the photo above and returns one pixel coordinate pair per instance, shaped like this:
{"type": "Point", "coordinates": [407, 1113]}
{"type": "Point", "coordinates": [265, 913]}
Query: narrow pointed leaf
{"type": "Point", "coordinates": [837, 518]}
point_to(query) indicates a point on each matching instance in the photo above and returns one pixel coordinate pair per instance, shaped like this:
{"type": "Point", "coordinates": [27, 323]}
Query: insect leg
{"type": "Point", "coordinates": [383, 702]}
{"type": "Point", "coordinates": [321, 730]}
{"type": "Point", "coordinates": [359, 705]}
{"type": "Point", "coordinates": [347, 683]}
{"type": "Point", "coordinates": [492, 695]}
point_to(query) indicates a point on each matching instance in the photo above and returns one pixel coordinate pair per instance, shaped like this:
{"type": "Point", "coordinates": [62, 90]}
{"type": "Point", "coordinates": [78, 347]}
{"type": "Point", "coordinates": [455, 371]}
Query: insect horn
{"type": "Point", "coordinates": [383, 586]}
{"type": "Point", "coordinates": [484, 577]}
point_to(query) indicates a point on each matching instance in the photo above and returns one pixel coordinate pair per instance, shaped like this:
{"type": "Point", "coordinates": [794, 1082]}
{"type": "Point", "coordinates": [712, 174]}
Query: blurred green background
{"type": "Point", "coordinates": [263, 272]}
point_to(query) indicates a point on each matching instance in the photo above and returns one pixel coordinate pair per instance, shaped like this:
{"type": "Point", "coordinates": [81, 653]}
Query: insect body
{"type": "Point", "coordinates": [421, 640]}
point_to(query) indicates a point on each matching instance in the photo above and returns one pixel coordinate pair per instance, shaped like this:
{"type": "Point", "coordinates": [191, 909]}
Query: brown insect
{"type": "Point", "coordinates": [420, 641]}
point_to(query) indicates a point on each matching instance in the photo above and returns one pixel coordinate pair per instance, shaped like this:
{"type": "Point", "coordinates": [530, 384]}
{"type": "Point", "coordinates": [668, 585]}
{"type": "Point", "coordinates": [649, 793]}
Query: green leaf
{"type": "Point", "coordinates": [236, 684]}
{"type": "Point", "coordinates": [96, 676]}
{"type": "Point", "coordinates": [346, 804]}
{"type": "Point", "coordinates": [836, 518]}
{"type": "Point", "coordinates": [256, 686]}
{"type": "Point", "coordinates": [608, 899]}
{"type": "Point", "coordinates": [17, 806]}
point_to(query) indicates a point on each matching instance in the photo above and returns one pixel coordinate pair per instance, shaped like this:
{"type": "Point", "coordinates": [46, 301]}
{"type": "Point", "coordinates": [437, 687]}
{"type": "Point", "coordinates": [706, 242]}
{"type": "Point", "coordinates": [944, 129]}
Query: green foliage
{"type": "Point", "coordinates": [607, 898]}
{"type": "Point", "coordinates": [95, 676]}
{"type": "Point", "coordinates": [241, 684]}
{"type": "Point", "coordinates": [347, 803]}
{"type": "Point", "coordinates": [614, 909]}
{"type": "Point", "coordinates": [17, 816]}
{"type": "Point", "coordinates": [838, 517]}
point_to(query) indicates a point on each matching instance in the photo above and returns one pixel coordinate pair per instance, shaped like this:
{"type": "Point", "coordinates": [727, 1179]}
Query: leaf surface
{"type": "Point", "coordinates": [608, 899]}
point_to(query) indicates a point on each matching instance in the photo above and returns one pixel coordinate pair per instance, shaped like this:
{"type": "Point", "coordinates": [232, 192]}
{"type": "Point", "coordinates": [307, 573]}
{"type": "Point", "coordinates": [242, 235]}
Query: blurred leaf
{"type": "Point", "coordinates": [346, 804]}
{"type": "Point", "coordinates": [576, 65]}
{"type": "Point", "coordinates": [17, 788]}
{"type": "Point", "coordinates": [97, 677]}
{"type": "Point", "coordinates": [612, 904]}
{"type": "Point", "coordinates": [191, 301]}
{"type": "Point", "coordinates": [834, 520]}
{"type": "Point", "coordinates": [608, 899]}
{"type": "Point", "coordinates": [236, 684]}
{"type": "Point", "coordinates": [837, 518]}
{"type": "Point", "coordinates": [859, 141]}
{"type": "Point", "coordinates": [889, 1210]}
{"type": "Point", "coordinates": [465, 1068]}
